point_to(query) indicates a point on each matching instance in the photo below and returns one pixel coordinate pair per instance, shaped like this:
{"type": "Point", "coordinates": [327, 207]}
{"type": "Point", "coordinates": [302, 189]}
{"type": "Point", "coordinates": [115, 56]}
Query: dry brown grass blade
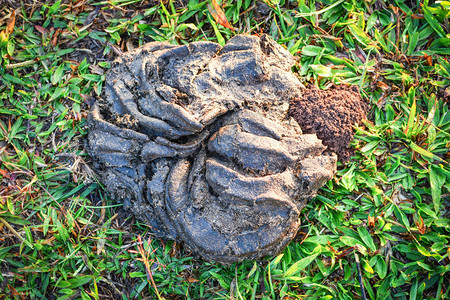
{"type": "Point", "coordinates": [13, 231]}
{"type": "Point", "coordinates": [11, 22]}
{"type": "Point", "coordinates": [146, 262]}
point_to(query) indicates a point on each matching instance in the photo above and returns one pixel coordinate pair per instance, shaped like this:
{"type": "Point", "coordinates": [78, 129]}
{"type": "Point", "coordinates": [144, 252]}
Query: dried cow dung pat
{"type": "Point", "coordinates": [331, 115]}
{"type": "Point", "coordinates": [194, 140]}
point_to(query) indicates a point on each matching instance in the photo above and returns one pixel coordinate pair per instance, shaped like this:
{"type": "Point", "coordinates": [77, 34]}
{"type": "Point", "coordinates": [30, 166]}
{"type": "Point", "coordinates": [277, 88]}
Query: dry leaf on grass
{"type": "Point", "coordinates": [219, 15]}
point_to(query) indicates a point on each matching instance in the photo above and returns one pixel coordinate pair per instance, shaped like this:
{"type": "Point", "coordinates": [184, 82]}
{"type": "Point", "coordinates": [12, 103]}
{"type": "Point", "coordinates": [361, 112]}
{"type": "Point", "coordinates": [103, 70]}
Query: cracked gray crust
{"type": "Point", "coordinates": [194, 140]}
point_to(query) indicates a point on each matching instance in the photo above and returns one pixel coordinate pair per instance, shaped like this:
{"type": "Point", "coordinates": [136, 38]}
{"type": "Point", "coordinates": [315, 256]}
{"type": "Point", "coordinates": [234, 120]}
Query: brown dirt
{"type": "Point", "coordinates": [330, 114]}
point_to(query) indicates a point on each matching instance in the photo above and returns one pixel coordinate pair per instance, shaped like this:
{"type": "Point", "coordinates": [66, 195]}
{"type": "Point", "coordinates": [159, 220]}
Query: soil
{"type": "Point", "coordinates": [196, 141]}
{"type": "Point", "coordinates": [331, 115]}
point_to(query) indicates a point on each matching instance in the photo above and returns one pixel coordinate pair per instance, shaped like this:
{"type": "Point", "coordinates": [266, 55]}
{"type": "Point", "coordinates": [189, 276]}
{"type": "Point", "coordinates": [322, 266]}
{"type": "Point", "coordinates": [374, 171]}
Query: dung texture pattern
{"type": "Point", "coordinates": [196, 141]}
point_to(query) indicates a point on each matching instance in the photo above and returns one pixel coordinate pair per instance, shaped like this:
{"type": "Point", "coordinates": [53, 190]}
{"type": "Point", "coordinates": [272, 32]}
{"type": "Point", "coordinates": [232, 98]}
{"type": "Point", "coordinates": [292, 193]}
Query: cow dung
{"type": "Point", "coordinates": [196, 141]}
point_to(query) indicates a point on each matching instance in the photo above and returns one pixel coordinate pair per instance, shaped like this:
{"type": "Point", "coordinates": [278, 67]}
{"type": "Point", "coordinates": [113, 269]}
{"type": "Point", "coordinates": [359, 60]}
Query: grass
{"type": "Point", "coordinates": [379, 230]}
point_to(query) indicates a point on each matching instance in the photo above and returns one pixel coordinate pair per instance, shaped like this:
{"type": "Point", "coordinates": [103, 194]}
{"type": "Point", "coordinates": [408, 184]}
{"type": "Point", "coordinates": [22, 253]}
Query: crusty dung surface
{"type": "Point", "coordinates": [195, 140]}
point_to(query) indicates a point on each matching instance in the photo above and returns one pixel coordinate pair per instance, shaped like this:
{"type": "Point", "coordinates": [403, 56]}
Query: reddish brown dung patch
{"type": "Point", "coordinates": [330, 114]}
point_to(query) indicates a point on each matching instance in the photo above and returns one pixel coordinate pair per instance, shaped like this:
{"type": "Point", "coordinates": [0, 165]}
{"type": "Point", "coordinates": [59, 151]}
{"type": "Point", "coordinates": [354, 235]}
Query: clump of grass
{"type": "Point", "coordinates": [379, 230]}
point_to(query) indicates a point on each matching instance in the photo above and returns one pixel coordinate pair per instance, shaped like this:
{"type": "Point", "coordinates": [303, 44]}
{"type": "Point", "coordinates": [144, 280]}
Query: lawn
{"type": "Point", "coordinates": [379, 230]}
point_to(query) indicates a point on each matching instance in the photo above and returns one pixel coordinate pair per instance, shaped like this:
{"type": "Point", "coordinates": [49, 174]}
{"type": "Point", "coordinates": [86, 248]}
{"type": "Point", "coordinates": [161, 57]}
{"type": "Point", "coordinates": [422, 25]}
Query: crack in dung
{"type": "Point", "coordinates": [200, 71]}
